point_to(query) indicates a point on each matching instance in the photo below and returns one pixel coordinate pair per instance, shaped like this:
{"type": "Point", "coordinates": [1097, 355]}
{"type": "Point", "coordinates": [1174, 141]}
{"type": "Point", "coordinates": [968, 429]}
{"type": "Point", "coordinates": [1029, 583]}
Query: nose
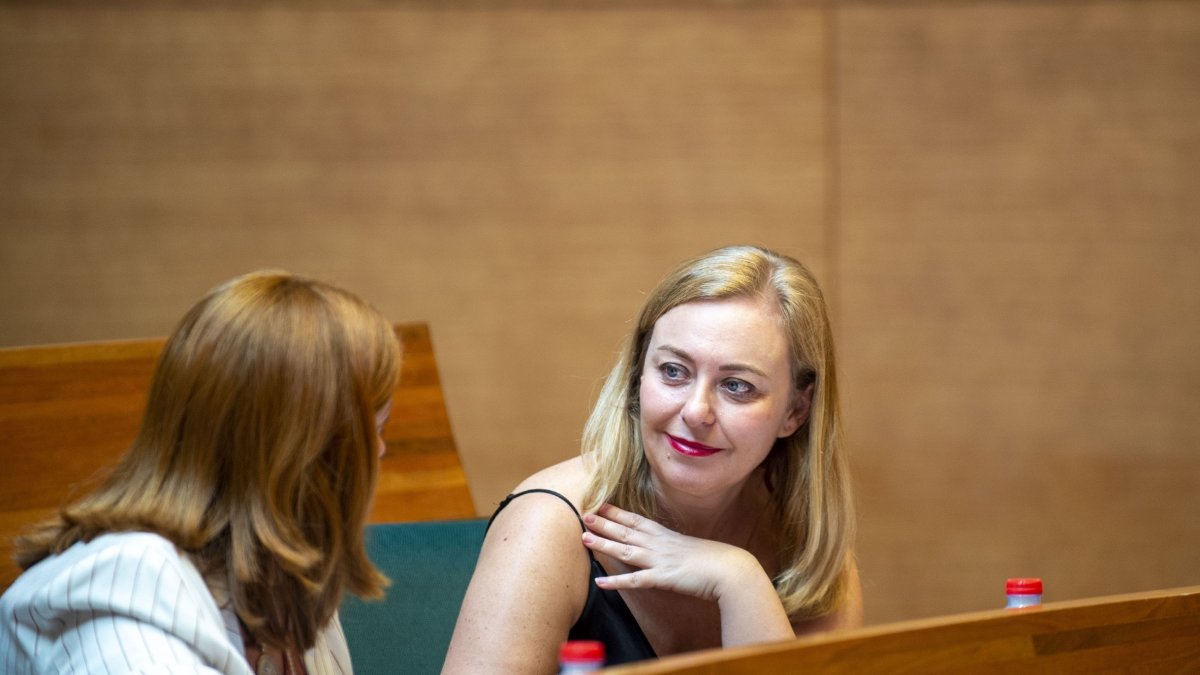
{"type": "Point", "coordinates": [697, 409]}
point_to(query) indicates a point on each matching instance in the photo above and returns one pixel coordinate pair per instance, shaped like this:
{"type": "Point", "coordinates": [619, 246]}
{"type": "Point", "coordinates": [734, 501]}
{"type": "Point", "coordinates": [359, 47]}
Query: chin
{"type": "Point", "coordinates": [697, 483]}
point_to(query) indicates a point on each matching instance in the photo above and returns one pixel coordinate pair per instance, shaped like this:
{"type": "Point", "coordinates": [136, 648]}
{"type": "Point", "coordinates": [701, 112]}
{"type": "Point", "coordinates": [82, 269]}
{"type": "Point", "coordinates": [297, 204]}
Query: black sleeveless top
{"type": "Point", "coordinates": [605, 615]}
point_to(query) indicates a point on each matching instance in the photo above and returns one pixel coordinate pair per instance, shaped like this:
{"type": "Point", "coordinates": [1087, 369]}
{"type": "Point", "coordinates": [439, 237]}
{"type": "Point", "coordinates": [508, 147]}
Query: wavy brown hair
{"type": "Point", "coordinates": [257, 453]}
{"type": "Point", "coordinates": [807, 473]}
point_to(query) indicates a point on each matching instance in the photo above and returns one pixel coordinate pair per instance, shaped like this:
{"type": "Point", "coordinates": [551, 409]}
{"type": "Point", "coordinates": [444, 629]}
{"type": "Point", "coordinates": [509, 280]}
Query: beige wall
{"type": "Point", "coordinates": [999, 197]}
{"type": "Point", "coordinates": [1018, 251]}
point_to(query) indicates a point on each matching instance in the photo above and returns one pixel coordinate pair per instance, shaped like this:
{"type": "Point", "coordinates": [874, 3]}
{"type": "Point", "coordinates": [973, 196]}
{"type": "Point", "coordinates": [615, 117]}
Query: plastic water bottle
{"type": "Point", "coordinates": [1023, 592]}
{"type": "Point", "coordinates": [577, 657]}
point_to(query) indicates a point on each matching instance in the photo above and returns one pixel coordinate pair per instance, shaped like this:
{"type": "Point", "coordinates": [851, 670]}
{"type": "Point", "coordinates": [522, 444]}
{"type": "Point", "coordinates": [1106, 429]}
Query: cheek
{"type": "Point", "coordinates": [656, 401]}
{"type": "Point", "coordinates": [761, 426]}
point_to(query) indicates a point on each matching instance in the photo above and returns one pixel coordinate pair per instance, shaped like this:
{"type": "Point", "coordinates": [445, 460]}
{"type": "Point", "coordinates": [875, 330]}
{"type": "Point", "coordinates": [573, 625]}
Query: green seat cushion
{"type": "Point", "coordinates": [430, 565]}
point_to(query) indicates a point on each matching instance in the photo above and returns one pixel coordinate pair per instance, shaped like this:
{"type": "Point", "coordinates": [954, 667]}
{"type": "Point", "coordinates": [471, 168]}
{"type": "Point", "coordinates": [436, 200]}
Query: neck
{"type": "Point", "coordinates": [729, 517]}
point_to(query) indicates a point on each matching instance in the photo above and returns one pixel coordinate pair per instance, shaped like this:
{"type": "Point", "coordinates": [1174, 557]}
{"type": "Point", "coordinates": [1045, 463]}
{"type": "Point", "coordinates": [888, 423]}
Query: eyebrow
{"type": "Point", "coordinates": [726, 368]}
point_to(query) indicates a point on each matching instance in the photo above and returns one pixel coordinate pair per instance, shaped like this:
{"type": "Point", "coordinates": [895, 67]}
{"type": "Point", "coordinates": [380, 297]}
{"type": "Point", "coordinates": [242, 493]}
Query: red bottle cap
{"type": "Point", "coordinates": [1031, 586]}
{"type": "Point", "coordinates": [577, 651]}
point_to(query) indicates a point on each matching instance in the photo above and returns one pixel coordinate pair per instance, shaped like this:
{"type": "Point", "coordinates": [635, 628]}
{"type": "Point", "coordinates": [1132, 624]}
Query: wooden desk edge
{"type": "Point", "coordinates": [1187, 595]}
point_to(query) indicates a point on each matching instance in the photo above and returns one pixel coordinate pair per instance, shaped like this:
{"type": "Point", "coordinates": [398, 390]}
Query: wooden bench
{"type": "Point", "coordinates": [1154, 632]}
{"type": "Point", "coordinates": [67, 412]}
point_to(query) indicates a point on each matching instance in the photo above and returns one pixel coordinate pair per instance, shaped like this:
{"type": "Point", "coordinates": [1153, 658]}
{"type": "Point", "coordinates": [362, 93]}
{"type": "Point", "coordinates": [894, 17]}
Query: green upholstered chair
{"type": "Point", "coordinates": [430, 564]}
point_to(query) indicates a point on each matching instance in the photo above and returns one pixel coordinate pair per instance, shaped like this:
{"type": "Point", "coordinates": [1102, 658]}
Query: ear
{"type": "Point", "coordinates": [798, 415]}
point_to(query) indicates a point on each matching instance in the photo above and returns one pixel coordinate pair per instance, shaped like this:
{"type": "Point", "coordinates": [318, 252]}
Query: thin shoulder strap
{"type": "Point", "coordinates": [525, 492]}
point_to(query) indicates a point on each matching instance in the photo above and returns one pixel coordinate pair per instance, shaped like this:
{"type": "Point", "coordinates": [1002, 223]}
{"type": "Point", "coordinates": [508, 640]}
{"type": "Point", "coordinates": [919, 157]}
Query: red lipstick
{"type": "Point", "coordinates": [691, 448]}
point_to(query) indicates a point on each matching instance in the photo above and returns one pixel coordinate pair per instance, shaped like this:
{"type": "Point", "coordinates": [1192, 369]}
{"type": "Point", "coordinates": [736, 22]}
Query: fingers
{"type": "Point", "coordinates": [658, 557]}
{"type": "Point", "coordinates": [628, 537]}
{"type": "Point", "coordinates": [629, 519]}
{"type": "Point", "coordinates": [624, 535]}
{"type": "Point", "coordinates": [625, 552]}
{"type": "Point", "coordinates": [610, 529]}
{"type": "Point", "coordinates": [638, 579]}
{"type": "Point", "coordinates": [624, 526]}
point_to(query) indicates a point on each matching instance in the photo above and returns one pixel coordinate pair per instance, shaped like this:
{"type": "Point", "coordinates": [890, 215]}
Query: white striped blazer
{"type": "Point", "coordinates": [130, 603]}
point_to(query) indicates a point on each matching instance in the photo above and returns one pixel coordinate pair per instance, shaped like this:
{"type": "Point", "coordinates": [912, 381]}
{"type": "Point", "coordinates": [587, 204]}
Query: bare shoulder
{"type": "Point", "coordinates": [530, 583]}
{"type": "Point", "coordinates": [538, 532]}
{"type": "Point", "coordinates": [568, 478]}
{"type": "Point", "coordinates": [542, 521]}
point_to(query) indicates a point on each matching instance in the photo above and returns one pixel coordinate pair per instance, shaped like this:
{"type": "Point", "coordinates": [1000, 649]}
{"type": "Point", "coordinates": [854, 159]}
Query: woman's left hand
{"type": "Point", "coordinates": [665, 559]}
{"type": "Point", "coordinates": [730, 576]}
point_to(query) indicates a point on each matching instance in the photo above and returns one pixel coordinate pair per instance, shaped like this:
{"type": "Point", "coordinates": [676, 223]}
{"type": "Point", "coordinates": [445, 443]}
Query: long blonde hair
{"type": "Point", "coordinates": [807, 473]}
{"type": "Point", "coordinates": [257, 453]}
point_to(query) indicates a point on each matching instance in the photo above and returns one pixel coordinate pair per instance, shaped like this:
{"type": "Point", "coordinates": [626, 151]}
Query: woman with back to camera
{"type": "Point", "coordinates": [226, 536]}
{"type": "Point", "coordinates": [713, 485]}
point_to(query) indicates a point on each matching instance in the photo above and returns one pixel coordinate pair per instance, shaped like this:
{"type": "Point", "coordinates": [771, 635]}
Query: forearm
{"type": "Point", "coordinates": [750, 608]}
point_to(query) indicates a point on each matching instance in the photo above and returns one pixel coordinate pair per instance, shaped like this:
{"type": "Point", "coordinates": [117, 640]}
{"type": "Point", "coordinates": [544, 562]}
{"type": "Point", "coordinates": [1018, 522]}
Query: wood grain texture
{"type": "Point", "coordinates": [1020, 296]}
{"type": "Point", "coordinates": [516, 175]}
{"type": "Point", "coordinates": [68, 412]}
{"type": "Point", "coordinates": [1155, 632]}
{"type": "Point", "coordinates": [1009, 241]}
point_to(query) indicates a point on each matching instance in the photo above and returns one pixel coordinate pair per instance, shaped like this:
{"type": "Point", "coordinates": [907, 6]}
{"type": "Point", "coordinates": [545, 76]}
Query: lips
{"type": "Point", "coordinates": [691, 448]}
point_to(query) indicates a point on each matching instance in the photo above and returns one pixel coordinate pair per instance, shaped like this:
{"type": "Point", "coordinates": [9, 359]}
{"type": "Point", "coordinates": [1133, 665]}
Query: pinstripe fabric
{"type": "Point", "coordinates": [130, 603]}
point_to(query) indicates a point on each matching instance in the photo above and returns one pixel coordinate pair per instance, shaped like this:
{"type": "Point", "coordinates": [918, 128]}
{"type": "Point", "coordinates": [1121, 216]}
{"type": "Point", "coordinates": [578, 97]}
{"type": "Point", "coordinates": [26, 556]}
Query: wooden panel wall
{"type": "Point", "coordinates": [1021, 296]}
{"type": "Point", "coordinates": [517, 177]}
{"type": "Point", "coordinates": [997, 195]}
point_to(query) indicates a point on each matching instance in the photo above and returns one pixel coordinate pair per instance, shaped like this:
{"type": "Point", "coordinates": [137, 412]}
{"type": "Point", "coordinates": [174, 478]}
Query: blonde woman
{"type": "Point", "coordinates": [225, 538]}
{"type": "Point", "coordinates": [711, 504]}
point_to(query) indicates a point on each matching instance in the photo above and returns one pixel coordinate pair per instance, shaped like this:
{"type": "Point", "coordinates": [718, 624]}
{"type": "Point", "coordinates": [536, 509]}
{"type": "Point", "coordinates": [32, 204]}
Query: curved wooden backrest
{"type": "Point", "coordinates": [67, 412]}
{"type": "Point", "coordinates": [1155, 632]}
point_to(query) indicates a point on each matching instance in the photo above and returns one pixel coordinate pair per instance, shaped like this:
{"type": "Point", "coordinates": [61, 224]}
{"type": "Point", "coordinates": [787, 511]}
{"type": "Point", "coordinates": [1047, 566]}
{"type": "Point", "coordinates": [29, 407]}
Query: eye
{"type": "Point", "coordinates": [672, 372]}
{"type": "Point", "coordinates": [739, 388]}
